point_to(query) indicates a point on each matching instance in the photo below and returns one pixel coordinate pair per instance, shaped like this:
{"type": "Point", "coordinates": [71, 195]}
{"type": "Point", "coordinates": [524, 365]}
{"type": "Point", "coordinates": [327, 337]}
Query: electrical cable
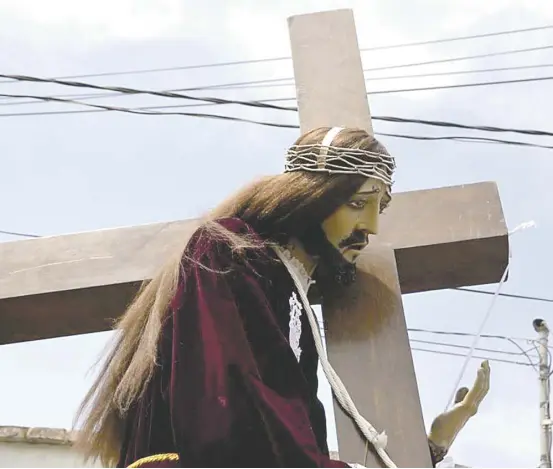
{"type": "Point", "coordinates": [257, 104]}
{"type": "Point", "coordinates": [480, 349]}
{"type": "Point", "coordinates": [89, 96]}
{"type": "Point", "coordinates": [208, 100]}
{"type": "Point", "coordinates": [371, 69]}
{"type": "Point", "coordinates": [443, 352]}
{"type": "Point", "coordinates": [23, 235]}
{"type": "Point", "coordinates": [400, 120]}
{"type": "Point", "coordinates": [464, 139]}
{"type": "Point", "coordinates": [275, 59]}
{"type": "Point", "coordinates": [508, 295]}
{"type": "Point", "coordinates": [391, 67]}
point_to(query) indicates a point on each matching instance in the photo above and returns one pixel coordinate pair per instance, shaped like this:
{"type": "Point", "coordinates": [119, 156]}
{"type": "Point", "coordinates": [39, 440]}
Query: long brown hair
{"type": "Point", "coordinates": [275, 206]}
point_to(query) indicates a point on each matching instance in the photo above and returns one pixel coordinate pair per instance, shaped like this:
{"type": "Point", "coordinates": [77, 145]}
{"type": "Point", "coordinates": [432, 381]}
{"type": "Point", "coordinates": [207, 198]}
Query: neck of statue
{"type": "Point", "coordinates": [298, 251]}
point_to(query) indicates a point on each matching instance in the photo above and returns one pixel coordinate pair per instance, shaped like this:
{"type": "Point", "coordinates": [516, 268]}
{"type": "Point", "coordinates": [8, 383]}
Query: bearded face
{"type": "Point", "coordinates": [338, 242]}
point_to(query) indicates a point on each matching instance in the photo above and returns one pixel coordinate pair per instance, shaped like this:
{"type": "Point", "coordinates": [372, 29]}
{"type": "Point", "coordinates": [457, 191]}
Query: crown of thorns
{"type": "Point", "coordinates": [339, 160]}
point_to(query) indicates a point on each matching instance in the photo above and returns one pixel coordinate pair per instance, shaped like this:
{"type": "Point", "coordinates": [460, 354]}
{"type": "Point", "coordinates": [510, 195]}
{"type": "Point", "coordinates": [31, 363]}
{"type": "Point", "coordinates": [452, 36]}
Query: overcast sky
{"type": "Point", "coordinates": [80, 172]}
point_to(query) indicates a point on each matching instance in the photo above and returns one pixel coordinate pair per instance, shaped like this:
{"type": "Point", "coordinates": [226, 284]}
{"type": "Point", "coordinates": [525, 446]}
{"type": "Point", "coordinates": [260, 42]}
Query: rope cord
{"type": "Point", "coordinates": [470, 354]}
{"type": "Point", "coordinates": [378, 440]}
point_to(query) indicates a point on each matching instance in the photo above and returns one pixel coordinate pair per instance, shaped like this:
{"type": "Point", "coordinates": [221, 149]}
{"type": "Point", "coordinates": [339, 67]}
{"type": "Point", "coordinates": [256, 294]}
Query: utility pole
{"type": "Point", "coordinates": [540, 326]}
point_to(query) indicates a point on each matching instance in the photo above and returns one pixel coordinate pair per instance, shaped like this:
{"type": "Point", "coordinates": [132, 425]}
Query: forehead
{"type": "Point", "coordinates": [372, 185]}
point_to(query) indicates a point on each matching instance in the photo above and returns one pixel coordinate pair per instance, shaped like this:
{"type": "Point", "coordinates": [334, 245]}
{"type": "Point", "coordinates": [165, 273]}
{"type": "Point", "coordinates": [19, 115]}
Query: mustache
{"type": "Point", "coordinates": [355, 238]}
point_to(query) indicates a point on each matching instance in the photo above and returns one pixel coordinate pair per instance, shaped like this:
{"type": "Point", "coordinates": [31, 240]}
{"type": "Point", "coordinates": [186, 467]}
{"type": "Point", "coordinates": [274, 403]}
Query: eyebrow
{"type": "Point", "coordinates": [376, 190]}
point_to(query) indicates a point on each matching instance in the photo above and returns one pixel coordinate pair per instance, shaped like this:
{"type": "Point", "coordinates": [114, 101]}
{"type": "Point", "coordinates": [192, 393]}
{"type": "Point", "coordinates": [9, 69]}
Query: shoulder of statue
{"type": "Point", "coordinates": [233, 225]}
{"type": "Point", "coordinates": [226, 240]}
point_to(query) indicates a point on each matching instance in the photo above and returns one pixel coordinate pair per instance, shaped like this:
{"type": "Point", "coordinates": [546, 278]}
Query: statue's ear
{"type": "Point", "coordinates": [460, 395]}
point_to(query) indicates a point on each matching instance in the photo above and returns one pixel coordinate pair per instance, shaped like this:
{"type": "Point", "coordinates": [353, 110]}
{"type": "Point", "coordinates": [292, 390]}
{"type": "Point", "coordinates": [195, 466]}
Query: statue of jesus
{"type": "Point", "coordinates": [214, 363]}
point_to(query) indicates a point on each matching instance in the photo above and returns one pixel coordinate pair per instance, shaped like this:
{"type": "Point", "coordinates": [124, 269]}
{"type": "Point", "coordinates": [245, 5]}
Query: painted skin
{"type": "Point", "coordinates": [349, 227]}
{"type": "Point", "coordinates": [446, 426]}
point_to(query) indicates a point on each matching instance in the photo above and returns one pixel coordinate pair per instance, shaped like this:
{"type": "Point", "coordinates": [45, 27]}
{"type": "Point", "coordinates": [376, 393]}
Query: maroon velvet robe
{"type": "Point", "coordinates": [228, 390]}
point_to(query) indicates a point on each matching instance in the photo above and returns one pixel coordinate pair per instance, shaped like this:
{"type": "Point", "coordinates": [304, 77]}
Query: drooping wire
{"type": "Point", "coordinates": [393, 67]}
{"type": "Point", "coordinates": [209, 100]}
{"type": "Point", "coordinates": [484, 320]}
{"type": "Point", "coordinates": [23, 235]}
{"type": "Point", "coordinates": [275, 59]}
{"type": "Point", "coordinates": [236, 86]}
{"type": "Point", "coordinates": [444, 352]}
{"type": "Point", "coordinates": [480, 349]}
{"type": "Point", "coordinates": [140, 111]}
{"type": "Point", "coordinates": [508, 295]}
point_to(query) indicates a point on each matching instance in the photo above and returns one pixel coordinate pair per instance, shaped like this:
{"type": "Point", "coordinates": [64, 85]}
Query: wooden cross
{"type": "Point", "coordinates": [441, 238]}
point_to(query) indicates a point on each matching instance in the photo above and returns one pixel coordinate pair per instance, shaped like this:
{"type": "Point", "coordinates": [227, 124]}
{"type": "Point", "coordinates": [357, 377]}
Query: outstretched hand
{"type": "Point", "coordinates": [473, 398]}
{"type": "Point", "coordinates": [446, 426]}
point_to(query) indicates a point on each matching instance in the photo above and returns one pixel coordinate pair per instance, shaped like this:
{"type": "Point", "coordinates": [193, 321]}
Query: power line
{"type": "Point", "coordinates": [292, 108]}
{"type": "Point", "coordinates": [509, 295]}
{"type": "Point", "coordinates": [467, 139]}
{"type": "Point", "coordinates": [521, 351]}
{"type": "Point", "coordinates": [90, 96]}
{"type": "Point", "coordinates": [381, 68]}
{"type": "Point", "coordinates": [395, 90]}
{"type": "Point", "coordinates": [481, 349]}
{"type": "Point", "coordinates": [125, 90]}
{"type": "Point", "coordinates": [282, 58]}
{"type": "Point", "coordinates": [457, 125]}
{"type": "Point", "coordinates": [153, 113]}
{"type": "Point", "coordinates": [371, 93]}
{"type": "Point", "coordinates": [460, 138]}
{"type": "Point", "coordinates": [384, 78]}
{"type": "Point", "coordinates": [385, 47]}
{"type": "Point", "coordinates": [468, 334]}
{"type": "Point", "coordinates": [447, 344]}
{"type": "Point", "coordinates": [394, 119]}
{"type": "Point", "coordinates": [443, 352]}
{"type": "Point", "coordinates": [260, 104]}
{"type": "Point", "coordinates": [464, 139]}
{"type": "Point", "coordinates": [462, 85]}
{"type": "Point", "coordinates": [23, 235]}
{"type": "Point", "coordinates": [442, 87]}
{"type": "Point", "coordinates": [374, 69]}
{"type": "Point", "coordinates": [512, 340]}
{"type": "Point", "coordinates": [63, 80]}
{"type": "Point", "coordinates": [257, 103]}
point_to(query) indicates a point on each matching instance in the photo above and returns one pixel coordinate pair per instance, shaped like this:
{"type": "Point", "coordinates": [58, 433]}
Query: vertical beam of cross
{"type": "Point", "coordinates": [366, 334]}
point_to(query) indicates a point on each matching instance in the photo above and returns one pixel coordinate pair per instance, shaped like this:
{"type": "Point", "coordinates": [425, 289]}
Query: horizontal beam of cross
{"type": "Point", "coordinates": [75, 284]}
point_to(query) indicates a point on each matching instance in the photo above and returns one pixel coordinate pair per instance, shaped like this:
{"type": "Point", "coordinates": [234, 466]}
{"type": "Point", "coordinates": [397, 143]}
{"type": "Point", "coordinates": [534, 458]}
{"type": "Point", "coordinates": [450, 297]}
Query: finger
{"type": "Point", "coordinates": [461, 394]}
{"type": "Point", "coordinates": [480, 387]}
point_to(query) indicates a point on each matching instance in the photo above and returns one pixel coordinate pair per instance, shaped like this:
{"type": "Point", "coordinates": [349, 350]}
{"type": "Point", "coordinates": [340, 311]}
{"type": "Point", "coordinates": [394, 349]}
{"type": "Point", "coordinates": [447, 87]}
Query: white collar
{"type": "Point", "coordinates": [292, 263]}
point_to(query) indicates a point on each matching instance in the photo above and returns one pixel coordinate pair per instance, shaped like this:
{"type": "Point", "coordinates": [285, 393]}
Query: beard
{"type": "Point", "coordinates": [332, 267]}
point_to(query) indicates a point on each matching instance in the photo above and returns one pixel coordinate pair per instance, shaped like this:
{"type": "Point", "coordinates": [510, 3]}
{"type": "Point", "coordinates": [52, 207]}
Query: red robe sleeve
{"type": "Point", "coordinates": [224, 410]}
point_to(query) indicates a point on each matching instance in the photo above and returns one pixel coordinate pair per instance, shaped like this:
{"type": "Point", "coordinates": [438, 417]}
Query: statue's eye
{"type": "Point", "coordinates": [385, 203]}
{"type": "Point", "coordinates": [358, 204]}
